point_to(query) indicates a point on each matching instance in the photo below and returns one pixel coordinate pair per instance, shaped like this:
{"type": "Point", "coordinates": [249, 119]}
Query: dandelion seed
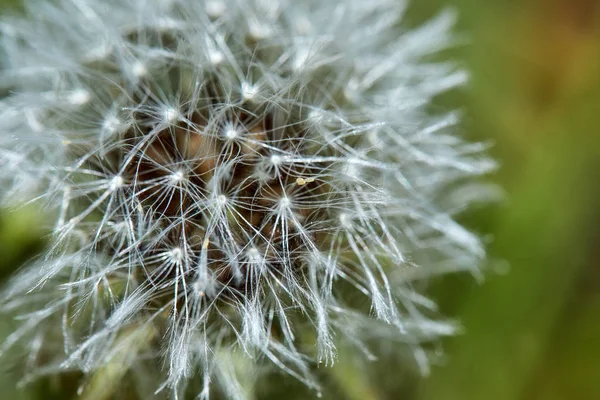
{"type": "Point", "coordinates": [215, 57]}
{"type": "Point", "coordinates": [215, 9]}
{"type": "Point", "coordinates": [171, 115]}
{"type": "Point", "coordinates": [138, 69]}
{"type": "Point", "coordinates": [177, 176]}
{"type": "Point", "coordinates": [231, 132]}
{"type": "Point", "coordinates": [78, 97]}
{"type": "Point", "coordinates": [275, 160]}
{"type": "Point", "coordinates": [111, 124]}
{"type": "Point", "coordinates": [249, 91]}
{"type": "Point", "coordinates": [116, 183]}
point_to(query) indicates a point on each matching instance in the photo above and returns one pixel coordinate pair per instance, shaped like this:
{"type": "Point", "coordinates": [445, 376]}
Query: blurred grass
{"type": "Point", "coordinates": [20, 239]}
{"type": "Point", "coordinates": [531, 332]}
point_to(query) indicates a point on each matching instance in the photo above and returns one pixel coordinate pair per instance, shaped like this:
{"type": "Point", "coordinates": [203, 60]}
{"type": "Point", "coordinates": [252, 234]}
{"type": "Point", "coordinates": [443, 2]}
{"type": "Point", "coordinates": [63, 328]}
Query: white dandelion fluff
{"type": "Point", "coordinates": [227, 175]}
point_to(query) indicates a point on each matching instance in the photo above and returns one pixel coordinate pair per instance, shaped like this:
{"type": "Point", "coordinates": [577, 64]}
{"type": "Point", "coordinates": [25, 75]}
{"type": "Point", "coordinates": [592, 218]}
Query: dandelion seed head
{"type": "Point", "coordinates": [231, 175]}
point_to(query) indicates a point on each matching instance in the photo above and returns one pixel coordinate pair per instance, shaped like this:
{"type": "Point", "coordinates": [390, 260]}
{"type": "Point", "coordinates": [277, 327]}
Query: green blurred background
{"type": "Point", "coordinates": [532, 327]}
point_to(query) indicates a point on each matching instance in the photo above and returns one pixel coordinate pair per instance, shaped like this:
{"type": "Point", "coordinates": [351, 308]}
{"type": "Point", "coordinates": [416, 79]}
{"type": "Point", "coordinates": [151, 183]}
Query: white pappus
{"type": "Point", "coordinates": [226, 177]}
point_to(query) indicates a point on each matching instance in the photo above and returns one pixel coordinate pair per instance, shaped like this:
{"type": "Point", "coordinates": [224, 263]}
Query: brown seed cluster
{"type": "Point", "coordinates": [225, 187]}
